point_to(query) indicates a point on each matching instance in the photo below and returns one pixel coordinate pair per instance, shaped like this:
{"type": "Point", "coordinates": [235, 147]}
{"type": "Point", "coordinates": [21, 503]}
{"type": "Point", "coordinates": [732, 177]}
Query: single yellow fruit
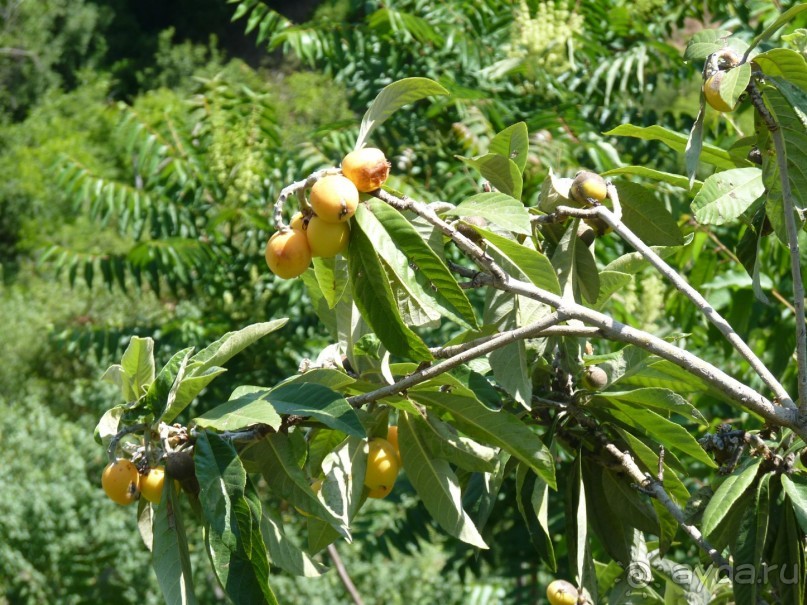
{"type": "Point", "coordinates": [151, 484]}
{"type": "Point", "coordinates": [334, 198]}
{"type": "Point", "coordinates": [367, 168]}
{"type": "Point", "coordinates": [315, 487]}
{"type": "Point", "coordinates": [382, 466]}
{"type": "Point", "coordinates": [711, 90]}
{"type": "Point", "coordinates": [298, 222]}
{"type": "Point", "coordinates": [288, 254]}
{"type": "Point", "coordinates": [327, 239]}
{"type": "Point", "coordinates": [594, 378]}
{"type": "Point", "coordinates": [561, 592]}
{"type": "Point", "coordinates": [120, 481]}
{"type": "Point", "coordinates": [392, 437]}
{"type": "Point", "coordinates": [380, 492]}
{"type": "Point", "coordinates": [588, 188]}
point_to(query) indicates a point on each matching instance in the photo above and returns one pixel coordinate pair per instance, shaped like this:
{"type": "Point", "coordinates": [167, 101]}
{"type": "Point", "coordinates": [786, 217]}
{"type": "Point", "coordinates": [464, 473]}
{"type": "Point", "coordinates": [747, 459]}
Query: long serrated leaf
{"type": "Point", "coordinates": [156, 398]}
{"type": "Point", "coordinates": [499, 429]}
{"type": "Point", "coordinates": [170, 556]}
{"type": "Point", "coordinates": [661, 400]}
{"type": "Point", "coordinates": [444, 442]}
{"type": "Point", "coordinates": [727, 494]}
{"type": "Point", "coordinates": [443, 286]}
{"type": "Point", "coordinates": [535, 265]}
{"type": "Point", "coordinates": [533, 504]}
{"type": "Point", "coordinates": [716, 156]}
{"type": "Point", "coordinates": [676, 180]}
{"type": "Point", "coordinates": [704, 43]}
{"type": "Point", "coordinates": [239, 413]}
{"type": "Point", "coordinates": [283, 552]}
{"type": "Point", "coordinates": [391, 98]}
{"type": "Point", "coordinates": [795, 487]}
{"type": "Point", "coordinates": [435, 483]}
{"type": "Point", "coordinates": [374, 298]}
{"type": "Point", "coordinates": [647, 216]}
{"type": "Point", "coordinates": [232, 343]}
{"type": "Point", "coordinates": [726, 195]}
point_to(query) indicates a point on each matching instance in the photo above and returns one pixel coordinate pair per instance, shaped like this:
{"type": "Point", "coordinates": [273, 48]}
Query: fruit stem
{"type": "Point", "coordinates": [297, 188]}
{"type": "Point", "coordinates": [113, 444]}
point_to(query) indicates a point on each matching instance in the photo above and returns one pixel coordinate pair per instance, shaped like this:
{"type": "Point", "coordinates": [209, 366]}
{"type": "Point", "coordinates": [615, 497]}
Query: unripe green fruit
{"type": "Point", "coordinates": [561, 592]}
{"type": "Point", "coordinates": [594, 378]}
{"type": "Point", "coordinates": [588, 188]}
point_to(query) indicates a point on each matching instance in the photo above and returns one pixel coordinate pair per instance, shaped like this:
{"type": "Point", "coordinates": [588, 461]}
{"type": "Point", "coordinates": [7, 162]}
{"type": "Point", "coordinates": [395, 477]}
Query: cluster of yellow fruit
{"type": "Point", "coordinates": [124, 484]}
{"type": "Point", "coordinates": [325, 231]}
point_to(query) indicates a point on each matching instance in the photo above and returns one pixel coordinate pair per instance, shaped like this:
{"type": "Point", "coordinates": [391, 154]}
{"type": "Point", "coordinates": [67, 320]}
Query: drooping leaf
{"type": "Point", "coordinates": [676, 180]}
{"type": "Point", "coordinates": [500, 429]}
{"type": "Point", "coordinates": [443, 441]}
{"type": "Point", "coordinates": [795, 487]}
{"type": "Point", "coordinates": [435, 483]}
{"type": "Point", "coordinates": [283, 552]}
{"type": "Point", "coordinates": [373, 296]}
{"type": "Point", "coordinates": [727, 495]}
{"type": "Point", "coordinates": [661, 400]}
{"type": "Point", "coordinates": [332, 277]}
{"type": "Point", "coordinates": [391, 98]}
{"type": "Point", "coordinates": [647, 216]}
{"type": "Point", "coordinates": [170, 556]}
{"type": "Point", "coordinates": [750, 542]}
{"type": "Point", "coordinates": [533, 504]}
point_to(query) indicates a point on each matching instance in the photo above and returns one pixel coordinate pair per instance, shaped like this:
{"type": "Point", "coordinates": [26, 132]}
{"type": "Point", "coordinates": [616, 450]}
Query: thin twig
{"type": "Point", "coordinates": [465, 356]}
{"type": "Point", "coordinates": [792, 239]}
{"type": "Point", "coordinates": [656, 489]}
{"type": "Point", "coordinates": [344, 576]}
{"type": "Point", "coordinates": [297, 188]}
{"type": "Point", "coordinates": [682, 286]}
{"type": "Point", "coordinates": [113, 444]}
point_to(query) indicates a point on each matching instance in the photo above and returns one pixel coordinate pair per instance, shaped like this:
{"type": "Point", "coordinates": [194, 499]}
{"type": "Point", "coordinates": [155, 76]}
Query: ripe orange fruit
{"type": "Point", "coordinates": [327, 239]}
{"type": "Point", "coordinates": [711, 90]}
{"type": "Point", "coordinates": [334, 198]}
{"type": "Point", "coordinates": [120, 481]}
{"type": "Point", "coordinates": [382, 468]}
{"type": "Point", "coordinates": [288, 254]}
{"type": "Point", "coordinates": [151, 484]}
{"type": "Point", "coordinates": [367, 168]}
{"type": "Point", "coordinates": [392, 437]}
{"type": "Point", "coordinates": [561, 592]}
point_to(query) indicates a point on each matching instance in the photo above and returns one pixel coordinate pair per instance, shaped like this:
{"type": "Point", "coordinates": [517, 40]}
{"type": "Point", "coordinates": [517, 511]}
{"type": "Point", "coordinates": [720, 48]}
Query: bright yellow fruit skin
{"type": "Point", "coordinates": [711, 90]}
{"type": "Point", "coordinates": [334, 198]}
{"type": "Point", "coordinates": [120, 481]}
{"type": "Point", "coordinates": [368, 168]}
{"type": "Point", "coordinates": [151, 485]}
{"type": "Point", "coordinates": [561, 592]}
{"type": "Point", "coordinates": [288, 254]}
{"type": "Point", "coordinates": [325, 239]}
{"type": "Point", "coordinates": [380, 492]}
{"type": "Point", "coordinates": [392, 437]}
{"type": "Point", "coordinates": [382, 466]}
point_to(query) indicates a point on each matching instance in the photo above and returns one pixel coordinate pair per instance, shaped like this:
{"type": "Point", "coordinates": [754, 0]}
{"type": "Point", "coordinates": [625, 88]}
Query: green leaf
{"type": "Point", "coordinates": [165, 385]}
{"type": "Point", "coordinates": [332, 277]}
{"type": "Point", "coordinates": [647, 217]}
{"type": "Point", "coordinates": [373, 296]}
{"type": "Point", "coordinates": [440, 284]}
{"type": "Point", "coordinates": [443, 441]}
{"type": "Point", "coordinates": [233, 537]}
{"type": "Point", "coordinates": [500, 429]}
{"type": "Point", "coordinates": [792, 121]}
{"type": "Point", "coordinates": [670, 434]}
{"type": "Point", "coordinates": [513, 143]}
{"type": "Point", "coordinates": [795, 487]}
{"type": "Point", "coordinates": [694, 148]}
{"type": "Point", "coordinates": [232, 343]}
{"type": "Point", "coordinates": [502, 172]}
{"type": "Point", "coordinates": [170, 557]}
{"type": "Point", "coordinates": [648, 461]}
{"type": "Point", "coordinates": [734, 83]}
{"type": "Point", "coordinates": [704, 43]}
{"type": "Point", "coordinates": [283, 552]}
{"type": "Point", "coordinates": [784, 64]}
{"type": "Point", "coordinates": [239, 413]}
{"type": "Point", "coordinates": [273, 458]}
{"type": "Point", "coordinates": [661, 400]}
{"type": "Point", "coordinates": [611, 282]}
{"type": "Point", "coordinates": [676, 180]}
{"type": "Point", "coordinates": [784, 18]}
{"type": "Point", "coordinates": [615, 535]}
{"type": "Point", "coordinates": [435, 483]}
{"type": "Point", "coordinates": [788, 555]}
{"type": "Point", "coordinates": [728, 194]}
{"type": "Point", "coordinates": [137, 366]}
{"type": "Point", "coordinates": [187, 388]}
{"type": "Point", "coordinates": [750, 541]}
{"type": "Point", "coordinates": [391, 98]}
{"type": "Point", "coordinates": [336, 380]}
{"type": "Point", "coordinates": [633, 262]}
{"type": "Point", "coordinates": [727, 494]}
{"type": "Point", "coordinates": [577, 527]}
{"type": "Point", "coordinates": [497, 208]}
{"type": "Point", "coordinates": [535, 265]}
{"type": "Point", "coordinates": [716, 156]}
{"type": "Point", "coordinates": [533, 504]}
